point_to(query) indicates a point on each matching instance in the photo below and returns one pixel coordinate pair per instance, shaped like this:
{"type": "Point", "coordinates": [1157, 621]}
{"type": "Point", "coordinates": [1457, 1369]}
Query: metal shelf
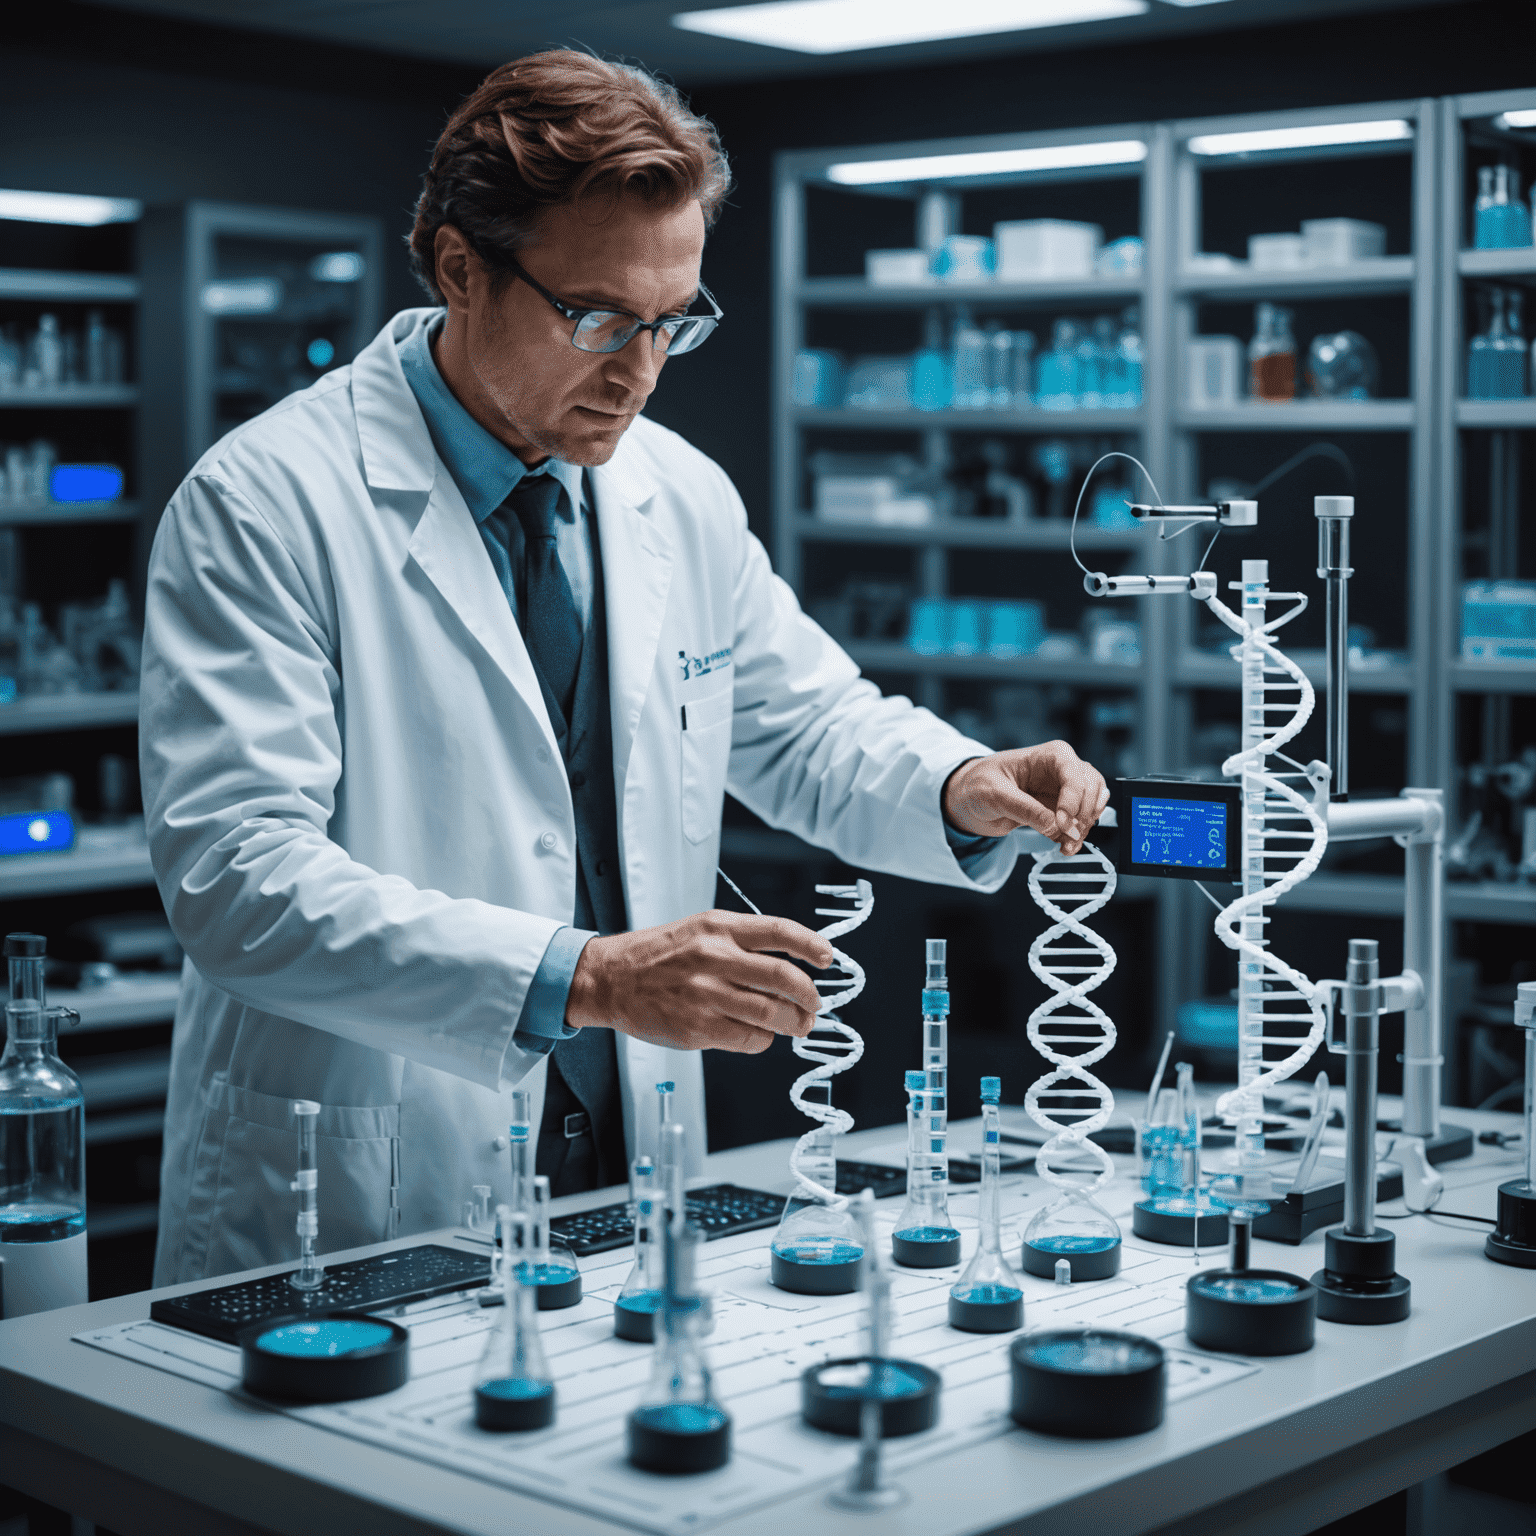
{"type": "Point", "coordinates": [122, 1220]}
{"type": "Point", "coordinates": [1197, 669]}
{"type": "Point", "coordinates": [968, 533]}
{"type": "Point", "coordinates": [1516, 415]}
{"type": "Point", "coordinates": [68, 712]}
{"type": "Point", "coordinates": [971, 421]}
{"type": "Point", "coordinates": [71, 287]}
{"type": "Point", "coordinates": [49, 512]}
{"type": "Point", "coordinates": [1517, 262]}
{"type": "Point", "coordinates": [1489, 901]}
{"type": "Point", "coordinates": [70, 397]}
{"type": "Point", "coordinates": [1382, 896]}
{"type": "Point", "coordinates": [857, 293]}
{"type": "Point", "coordinates": [133, 999]}
{"type": "Point", "coordinates": [1493, 676]}
{"type": "Point", "coordinates": [99, 861]}
{"type": "Point", "coordinates": [1383, 274]}
{"type": "Point", "coordinates": [135, 1077]}
{"type": "Point", "coordinates": [890, 656]}
{"type": "Point", "coordinates": [1301, 416]}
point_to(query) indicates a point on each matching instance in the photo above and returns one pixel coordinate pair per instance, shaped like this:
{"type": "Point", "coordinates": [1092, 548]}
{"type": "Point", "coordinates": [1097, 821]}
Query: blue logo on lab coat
{"type": "Point", "coordinates": [702, 666]}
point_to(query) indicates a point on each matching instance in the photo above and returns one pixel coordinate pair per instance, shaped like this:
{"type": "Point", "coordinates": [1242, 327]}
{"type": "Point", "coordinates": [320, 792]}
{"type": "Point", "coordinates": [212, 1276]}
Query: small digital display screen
{"type": "Point", "coordinates": [1184, 834]}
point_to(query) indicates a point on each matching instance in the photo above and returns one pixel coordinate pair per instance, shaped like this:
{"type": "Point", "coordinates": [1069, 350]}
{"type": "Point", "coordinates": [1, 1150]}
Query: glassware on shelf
{"type": "Point", "coordinates": [999, 365]}
{"type": "Point", "coordinates": [1053, 460]}
{"type": "Point", "coordinates": [1496, 358]}
{"type": "Point", "coordinates": [1342, 366]}
{"type": "Point", "coordinates": [816, 379]}
{"type": "Point", "coordinates": [1501, 220]}
{"type": "Point", "coordinates": [988, 1297]}
{"type": "Point", "coordinates": [1058, 374]}
{"type": "Point", "coordinates": [879, 384]}
{"type": "Point", "coordinates": [1123, 391]}
{"type": "Point", "coordinates": [1485, 222]}
{"type": "Point", "coordinates": [1023, 385]}
{"type": "Point", "coordinates": [1272, 354]}
{"type": "Point", "coordinates": [513, 1386]}
{"type": "Point", "coordinates": [972, 381]}
{"type": "Point", "coordinates": [933, 385]}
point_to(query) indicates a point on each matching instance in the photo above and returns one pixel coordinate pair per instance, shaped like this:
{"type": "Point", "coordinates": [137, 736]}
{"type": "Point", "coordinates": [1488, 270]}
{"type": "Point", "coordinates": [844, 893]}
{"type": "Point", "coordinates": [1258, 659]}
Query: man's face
{"type": "Point", "coordinates": [543, 396]}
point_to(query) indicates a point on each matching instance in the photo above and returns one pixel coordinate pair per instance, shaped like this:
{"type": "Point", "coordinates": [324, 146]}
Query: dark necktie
{"type": "Point", "coordinates": [551, 625]}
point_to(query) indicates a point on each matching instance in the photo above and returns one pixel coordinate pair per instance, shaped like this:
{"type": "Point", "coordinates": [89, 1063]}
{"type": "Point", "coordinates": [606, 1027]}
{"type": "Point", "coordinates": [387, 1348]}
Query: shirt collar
{"type": "Point", "coordinates": [485, 470]}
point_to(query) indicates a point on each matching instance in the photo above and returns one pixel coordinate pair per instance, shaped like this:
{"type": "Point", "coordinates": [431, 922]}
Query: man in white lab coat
{"type": "Point", "coordinates": [449, 660]}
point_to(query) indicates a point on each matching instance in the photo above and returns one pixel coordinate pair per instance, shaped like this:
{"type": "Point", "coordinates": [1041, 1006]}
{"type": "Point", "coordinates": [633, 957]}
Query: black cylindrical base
{"type": "Point", "coordinates": [832, 1396]}
{"type": "Point", "coordinates": [1250, 1312]}
{"type": "Point", "coordinates": [1371, 1257]}
{"type": "Point", "coordinates": [815, 1279]}
{"type": "Point", "coordinates": [1087, 1263]}
{"type": "Point", "coordinates": [637, 1324]}
{"type": "Point", "coordinates": [928, 1252]}
{"type": "Point", "coordinates": [558, 1287]}
{"type": "Point", "coordinates": [1344, 1299]}
{"type": "Point", "coordinates": [680, 1437]}
{"type": "Point", "coordinates": [1087, 1383]}
{"type": "Point", "coordinates": [1513, 1241]}
{"type": "Point", "coordinates": [973, 1316]}
{"type": "Point", "coordinates": [1178, 1228]}
{"type": "Point", "coordinates": [500, 1405]}
{"type": "Point", "coordinates": [326, 1357]}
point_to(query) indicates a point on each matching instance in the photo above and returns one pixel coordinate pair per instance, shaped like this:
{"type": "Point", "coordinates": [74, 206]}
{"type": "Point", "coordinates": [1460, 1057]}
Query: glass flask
{"type": "Point", "coordinates": [1482, 350]}
{"type": "Point", "coordinates": [1485, 222]}
{"type": "Point", "coordinates": [678, 1426]}
{"type": "Point", "coordinates": [1342, 366]}
{"type": "Point", "coordinates": [1074, 1227]}
{"type": "Point", "coordinates": [818, 1248]}
{"type": "Point", "coordinates": [988, 1298]}
{"type": "Point", "coordinates": [1127, 364]}
{"type": "Point", "coordinates": [552, 1272]}
{"type": "Point", "coordinates": [42, 1162]}
{"type": "Point", "coordinates": [1096, 354]}
{"type": "Point", "coordinates": [1272, 354]}
{"type": "Point", "coordinates": [1057, 381]}
{"type": "Point", "coordinates": [513, 1387]}
{"type": "Point", "coordinates": [969, 347]}
{"type": "Point", "coordinates": [634, 1312]}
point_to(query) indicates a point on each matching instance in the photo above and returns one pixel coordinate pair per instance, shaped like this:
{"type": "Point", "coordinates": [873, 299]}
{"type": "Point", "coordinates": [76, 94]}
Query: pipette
{"type": "Point", "coordinates": [310, 1275]}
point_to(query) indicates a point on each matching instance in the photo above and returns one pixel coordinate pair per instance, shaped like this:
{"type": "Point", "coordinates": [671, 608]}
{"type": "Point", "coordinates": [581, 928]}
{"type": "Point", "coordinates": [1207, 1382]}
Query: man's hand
{"type": "Point", "coordinates": [705, 983]}
{"type": "Point", "coordinates": [1049, 788]}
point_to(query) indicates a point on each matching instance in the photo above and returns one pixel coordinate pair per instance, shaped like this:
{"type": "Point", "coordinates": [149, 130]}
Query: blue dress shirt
{"type": "Point", "coordinates": [486, 471]}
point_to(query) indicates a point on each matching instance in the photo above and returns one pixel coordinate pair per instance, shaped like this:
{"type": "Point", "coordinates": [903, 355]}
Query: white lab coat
{"type": "Point", "coordinates": [361, 826]}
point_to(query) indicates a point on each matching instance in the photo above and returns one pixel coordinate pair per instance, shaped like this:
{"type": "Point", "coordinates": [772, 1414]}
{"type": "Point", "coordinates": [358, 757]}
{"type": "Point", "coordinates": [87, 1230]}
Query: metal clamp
{"type": "Point", "coordinates": [1391, 994]}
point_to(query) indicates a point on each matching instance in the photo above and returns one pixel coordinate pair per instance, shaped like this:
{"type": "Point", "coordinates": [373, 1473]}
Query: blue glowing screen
{"type": "Point", "coordinates": [36, 832]}
{"type": "Point", "coordinates": [85, 482]}
{"type": "Point", "coordinates": [1191, 834]}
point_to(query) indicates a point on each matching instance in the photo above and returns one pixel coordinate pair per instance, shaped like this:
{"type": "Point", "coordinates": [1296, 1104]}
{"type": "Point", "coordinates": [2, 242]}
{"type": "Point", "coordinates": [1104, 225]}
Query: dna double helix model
{"type": "Point", "coordinates": [832, 1045]}
{"type": "Point", "coordinates": [1278, 820]}
{"type": "Point", "coordinates": [1083, 881]}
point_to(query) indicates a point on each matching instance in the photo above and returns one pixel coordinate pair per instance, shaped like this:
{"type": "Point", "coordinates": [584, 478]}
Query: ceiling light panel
{"type": "Point", "coordinates": [994, 162]}
{"type": "Point", "coordinates": [1516, 120]}
{"type": "Point", "coordinates": [67, 208]}
{"type": "Point", "coordinates": [844, 26]}
{"type": "Point", "coordinates": [1310, 136]}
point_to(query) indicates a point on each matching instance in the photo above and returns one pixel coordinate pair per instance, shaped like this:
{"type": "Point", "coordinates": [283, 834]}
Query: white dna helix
{"type": "Point", "coordinates": [1273, 836]}
{"type": "Point", "coordinates": [1084, 881]}
{"type": "Point", "coordinates": [831, 1044]}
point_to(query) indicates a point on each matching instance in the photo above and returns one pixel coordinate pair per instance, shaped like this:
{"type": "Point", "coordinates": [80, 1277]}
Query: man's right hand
{"type": "Point", "coordinates": [711, 982]}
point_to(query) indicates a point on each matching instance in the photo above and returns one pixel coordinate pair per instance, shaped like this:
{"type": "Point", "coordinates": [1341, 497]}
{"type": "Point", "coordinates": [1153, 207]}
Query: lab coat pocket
{"type": "Point", "coordinates": [706, 748]}
{"type": "Point", "coordinates": [254, 1210]}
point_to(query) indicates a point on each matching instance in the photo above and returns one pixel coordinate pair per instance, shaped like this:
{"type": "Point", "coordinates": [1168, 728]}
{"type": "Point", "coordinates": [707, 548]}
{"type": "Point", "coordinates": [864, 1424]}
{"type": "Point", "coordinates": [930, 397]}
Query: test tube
{"type": "Point", "coordinates": [310, 1275]}
{"type": "Point", "coordinates": [520, 1138]}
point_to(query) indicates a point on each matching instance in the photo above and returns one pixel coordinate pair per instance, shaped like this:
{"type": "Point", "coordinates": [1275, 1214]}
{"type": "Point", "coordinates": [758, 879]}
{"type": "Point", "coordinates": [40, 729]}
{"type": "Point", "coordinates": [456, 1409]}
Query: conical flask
{"type": "Point", "coordinates": [818, 1247]}
{"type": "Point", "coordinates": [551, 1271]}
{"type": "Point", "coordinates": [513, 1387]}
{"type": "Point", "coordinates": [988, 1298]}
{"type": "Point", "coordinates": [634, 1312]}
{"type": "Point", "coordinates": [1074, 1227]}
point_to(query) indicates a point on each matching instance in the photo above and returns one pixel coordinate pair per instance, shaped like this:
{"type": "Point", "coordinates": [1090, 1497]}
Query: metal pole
{"type": "Point", "coordinates": [1362, 1007]}
{"type": "Point", "coordinates": [1423, 952]}
{"type": "Point", "coordinates": [1333, 515]}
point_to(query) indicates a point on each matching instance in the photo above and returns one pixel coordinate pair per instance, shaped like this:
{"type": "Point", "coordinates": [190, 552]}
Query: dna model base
{"type": "Point", "coordinates": [1172, 1219]}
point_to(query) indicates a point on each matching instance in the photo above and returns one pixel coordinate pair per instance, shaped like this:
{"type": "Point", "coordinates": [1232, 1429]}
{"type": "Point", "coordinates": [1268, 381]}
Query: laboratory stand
{"type": "Point", "coordinates": [1513, 1241]}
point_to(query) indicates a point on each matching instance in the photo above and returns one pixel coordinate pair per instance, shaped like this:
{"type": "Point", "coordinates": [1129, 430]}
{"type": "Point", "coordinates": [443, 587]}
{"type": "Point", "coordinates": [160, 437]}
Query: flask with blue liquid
{"type": "Point", "coordinates": [1058, 372]}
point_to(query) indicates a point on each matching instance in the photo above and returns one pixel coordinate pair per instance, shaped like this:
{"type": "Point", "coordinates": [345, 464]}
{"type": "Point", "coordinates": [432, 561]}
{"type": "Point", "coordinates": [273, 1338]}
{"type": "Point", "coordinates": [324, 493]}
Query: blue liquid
{"type": "Point", "coordinates": [890, 1381]}
{"type": "Point", "coordinates": [1091, 1356]}
{"type": "Point", "coordinates": [1073, 1242]}
{"type": "Point", "coordinates": [988, 1295]}
{"type": "Point", "coordinates": [1232, 1288]}
{"type": "Point", "coordinates": [323, 1339]}
{"type": "Point", "coordinates": [39, 1222]}
{"type": "Point", "coordinates": [552, 1274]}
{"type": "Point", "coordinates": [518, 1389]}
{"type": "Point", "coordinates": [642, 1301]}
{"type": "Point", "coordinates": [928, 1235]}
{"type": "Point", "coordinates": [682, 1418]}
{"type": "Point", "coordinates": [820, 1252]}
{"type": "Point", "coordinates": [1163, 1146]}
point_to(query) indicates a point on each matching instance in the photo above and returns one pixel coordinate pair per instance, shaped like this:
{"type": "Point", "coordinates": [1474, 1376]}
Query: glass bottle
{"type": "Point", "coordinates": [49, 351]}
{"type": "Point", "coordinates": [1130, 361]}
{"type": "Point", "coordinates": [1482, 351]}
{"type": "Point", "coordinates": [1484, 220]}
{"type": "Point", "coordinates": [1022, 390]}
{"type": "Point", "coordinates": [999, 366]}
{"type": "Point", "coordinates": [1518, 215]}
{"type": "Point", "coordinates": [1057, 383]}
{"type": "Point", "coordinates": [1095, 353]}
{"type": "Point", "coordinates": [42, 1149]}
{"type": "Point", "coordinates": [513, 1386]}
{"type": "Point", "coordinates": [972, 390]}
{"type": "Point", "coordinates": [634, 1312]}
{"type": "Point", "coordinates": [988, 1298]}
{"type": "Point", "coordinates": [1272, 355]}
{"type": "Point", "coordinates": [1509, 350]}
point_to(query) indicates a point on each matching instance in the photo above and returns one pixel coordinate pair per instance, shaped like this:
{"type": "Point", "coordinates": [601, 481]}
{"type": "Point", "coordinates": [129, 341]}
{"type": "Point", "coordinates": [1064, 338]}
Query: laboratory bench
{"type": "Point", "coordinates": [1302, 1441]}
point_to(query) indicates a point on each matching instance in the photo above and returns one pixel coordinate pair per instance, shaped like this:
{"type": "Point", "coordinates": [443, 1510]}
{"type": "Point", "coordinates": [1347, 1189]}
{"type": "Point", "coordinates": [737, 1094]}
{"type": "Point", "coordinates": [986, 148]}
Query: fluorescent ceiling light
{"type": "Point", "coordinates": [841, 26]}
{"type": "Point", "coordinates": [1311, 137]}
{"type": "Point", "coordinates": [67, 208]}
{"type": "Point", "coordinates": [988, 162]}
{"type": "Point", "coordinates": [1184, 3]}
{"type": "Point", "coordinates": [243, 296]}
{"type": "Point", "coordinates": [1516, 120]}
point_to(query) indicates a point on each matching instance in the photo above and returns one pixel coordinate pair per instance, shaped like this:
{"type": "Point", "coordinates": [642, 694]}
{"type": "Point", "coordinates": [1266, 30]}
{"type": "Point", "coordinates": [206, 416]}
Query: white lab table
{"type": "Point", "coordinates": [1307, 1439]}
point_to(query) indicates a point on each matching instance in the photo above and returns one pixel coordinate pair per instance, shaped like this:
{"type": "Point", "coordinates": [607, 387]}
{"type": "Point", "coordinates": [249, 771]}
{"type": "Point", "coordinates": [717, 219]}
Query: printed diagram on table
{"type": "Point", "coordinates": [763, 1339]}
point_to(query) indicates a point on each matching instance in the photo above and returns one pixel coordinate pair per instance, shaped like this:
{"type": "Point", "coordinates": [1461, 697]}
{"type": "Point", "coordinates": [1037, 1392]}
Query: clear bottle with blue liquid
{"type": "Point", "coordinates": [1485, 222]}
{"type": "Point", "coordinates": [513, 1386]}
{"type": "Point", "coordinates": [1509, 350]}
{"type": "Point", "coordinates": [988, 1297]}
{"type": "Point", "coordinates": [1057, 374]}
{"type": "Point", "coordinates": [634, 1311]}
{"type": "Point", "coordinates": [971, 381]}
{"type": "Point", "coordinates": [1129, 365]}
{"type": "Point", "coordinates": [1095, 364]}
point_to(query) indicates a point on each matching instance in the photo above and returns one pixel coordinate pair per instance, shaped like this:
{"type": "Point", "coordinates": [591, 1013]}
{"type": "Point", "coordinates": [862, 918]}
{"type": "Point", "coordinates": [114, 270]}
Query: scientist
{"type": "Point", "coordinates": [449, 661]}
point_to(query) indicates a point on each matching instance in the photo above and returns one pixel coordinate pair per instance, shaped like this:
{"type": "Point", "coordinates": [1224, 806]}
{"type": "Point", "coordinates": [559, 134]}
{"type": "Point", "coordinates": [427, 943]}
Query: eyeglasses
{"type": "Point", "coordinates": [609, 330]}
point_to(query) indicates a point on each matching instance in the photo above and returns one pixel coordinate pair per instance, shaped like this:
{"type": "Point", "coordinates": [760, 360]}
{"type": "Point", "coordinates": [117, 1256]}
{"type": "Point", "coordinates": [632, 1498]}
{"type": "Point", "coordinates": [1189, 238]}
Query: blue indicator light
{"type": "Point", "coordinates": [36, 832]}
{"type": "Point", "coordinates": [85, 482]}
{"type": "Point", "coordinates": [321, 353]}
{"type": "Point", "coordinates": [1189, 834]}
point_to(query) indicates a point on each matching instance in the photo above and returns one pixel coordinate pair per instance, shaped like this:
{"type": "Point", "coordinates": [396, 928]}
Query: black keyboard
{"type": "Point", "coordinates": [388, 1279]}
{"type": "Point", "coordinates": [855, 1178]}
{"type": "Point", "coordinates": [717, 1210]}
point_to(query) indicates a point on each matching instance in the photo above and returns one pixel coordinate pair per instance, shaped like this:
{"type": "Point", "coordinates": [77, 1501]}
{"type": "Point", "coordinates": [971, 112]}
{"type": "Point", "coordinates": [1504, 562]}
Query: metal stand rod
{"type": "Point", "coordinates": [1423, 953]}
{"type": "Point", "coordinates": [1239, 1240]}
{"type": "Point", "coordinates": [1362, 1009]}
{"type": "Point", "coordinates": [1333, 517]}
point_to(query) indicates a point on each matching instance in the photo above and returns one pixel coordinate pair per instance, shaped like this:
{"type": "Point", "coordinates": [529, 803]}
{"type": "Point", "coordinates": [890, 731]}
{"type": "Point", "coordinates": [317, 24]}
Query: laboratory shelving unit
{"type": "Point", "coordinates": [1427, 419]}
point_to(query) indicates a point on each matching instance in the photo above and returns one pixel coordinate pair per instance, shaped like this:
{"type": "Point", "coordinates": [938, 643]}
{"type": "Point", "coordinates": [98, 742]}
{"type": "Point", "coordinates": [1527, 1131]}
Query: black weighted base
{"type": "Point", "coordinates": [327, 1357]}
{"type": "Point", "coordinates": [637, 1324]}
{"type": "Point", "coordinates": [1513, 1241]}
{"type": "Point", "coordinates": [558, 1287]}
{"type": "Point", "coordinates": [1087, 1263]}
{"type": "Point", "coordinates": [506, 1405]}
{"type": "Point", "coordinates": [1250, 1312]}
{"type": "Point", "coordinates": [1089, 1384]}
{"type": "Point", "coordinates": [936, 1252]}
{"type": "Point", "coordinates": [1178, 1228]}
{"type": "Point", "coordinates": [1357, 1283]}
{"type": "Point", "coordinates": [815, 1279]}
{"type": "Point", "coordinates": [971, 1316]}
{"type": "Point", "coordinates": [832, 1396]}
{"type": "Point", "coordinates": [680, 1437]}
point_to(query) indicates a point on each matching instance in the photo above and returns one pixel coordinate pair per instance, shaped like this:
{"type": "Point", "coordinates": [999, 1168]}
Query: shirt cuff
{"type": "Point", "coordinates": [969, 850]}
{"type": "Point", "coordinates": [542, 1021]}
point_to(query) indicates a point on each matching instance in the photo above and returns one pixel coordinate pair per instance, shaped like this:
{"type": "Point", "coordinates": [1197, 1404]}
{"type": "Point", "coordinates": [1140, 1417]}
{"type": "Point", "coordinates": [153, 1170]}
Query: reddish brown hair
{"type": "Point", "coordinates": [547, 129]}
